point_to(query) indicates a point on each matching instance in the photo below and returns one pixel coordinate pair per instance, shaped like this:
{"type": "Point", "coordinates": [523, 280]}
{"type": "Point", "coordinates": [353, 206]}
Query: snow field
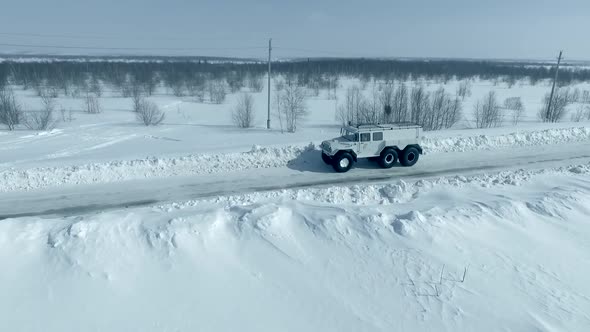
{"type": "Point", "coordinates": [317, 264]}
{"type": "Point", "coordinates": [257, 157]}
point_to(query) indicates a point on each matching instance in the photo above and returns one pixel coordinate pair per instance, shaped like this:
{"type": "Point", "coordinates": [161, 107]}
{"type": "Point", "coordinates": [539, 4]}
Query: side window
{"type": "Point", "coordinates": [365, 137]}
{"type": "Point", "coordinates": [377, 136]}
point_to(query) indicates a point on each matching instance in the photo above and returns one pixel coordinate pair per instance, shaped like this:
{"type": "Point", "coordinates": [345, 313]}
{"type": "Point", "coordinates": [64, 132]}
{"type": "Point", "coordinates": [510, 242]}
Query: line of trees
{"type": "Point", "coordinates": [202, 79]}
{"type": "Point", "coordinates": [388, 103]}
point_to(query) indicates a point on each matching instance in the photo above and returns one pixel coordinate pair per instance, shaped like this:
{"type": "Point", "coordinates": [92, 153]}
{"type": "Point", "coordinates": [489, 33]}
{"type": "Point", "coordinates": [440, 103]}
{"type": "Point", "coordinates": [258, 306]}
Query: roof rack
{"type": "Point", "coordinates": [404, 124]}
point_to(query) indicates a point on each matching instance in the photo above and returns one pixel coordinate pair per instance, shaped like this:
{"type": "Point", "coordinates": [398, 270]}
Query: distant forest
{"type": "Point", "coordinates": [189, 77]}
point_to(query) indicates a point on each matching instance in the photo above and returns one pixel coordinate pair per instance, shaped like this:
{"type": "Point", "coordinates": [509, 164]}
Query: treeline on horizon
{"type": "Point", "coordinates": [313, 73]}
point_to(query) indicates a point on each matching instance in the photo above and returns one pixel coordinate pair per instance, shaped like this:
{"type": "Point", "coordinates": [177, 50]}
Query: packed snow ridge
{"type": "Point", "coordinates": [257, 157]}
{"type": "Point", "coordinates": [487, 142]}
{"type": "Point", "coordinates": [399, 192]}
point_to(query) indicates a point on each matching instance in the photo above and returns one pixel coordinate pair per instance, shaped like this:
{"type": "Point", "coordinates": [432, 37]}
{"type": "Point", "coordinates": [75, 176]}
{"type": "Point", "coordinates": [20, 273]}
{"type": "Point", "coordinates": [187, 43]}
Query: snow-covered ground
{"type": "Point", "coordinates": [196, 225]}
{"type": "Point", "coordinates": [505, 252]}
{"type": "Point", "coordinates": [197, 128]}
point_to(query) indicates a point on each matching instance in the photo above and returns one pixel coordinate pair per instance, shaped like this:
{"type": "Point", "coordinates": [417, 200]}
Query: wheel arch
{"type": "Point", "coordinates": [415, 146]}
{"type": "Point", "coordinates": [351, 152]}
{"type": "Point", "coordinates": [390, 147]}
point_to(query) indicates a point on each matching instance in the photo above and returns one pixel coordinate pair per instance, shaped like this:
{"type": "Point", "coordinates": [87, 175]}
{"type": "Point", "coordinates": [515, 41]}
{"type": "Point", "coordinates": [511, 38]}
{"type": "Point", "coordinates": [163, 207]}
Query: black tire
{"type": "Point", "coordinates": [327, 159]}
{"type": "Point", "coordinates": [410, 156]}
{"type": "Point", "coordinates": [339, 162]}
{"type": "Point", "coordinates": [388, 158]}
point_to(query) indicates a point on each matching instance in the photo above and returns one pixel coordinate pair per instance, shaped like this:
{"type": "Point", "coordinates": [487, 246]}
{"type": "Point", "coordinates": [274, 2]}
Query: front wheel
{"type": "Point", "coordinates": [327, 159]}
{"type": "Point", "coordinates": [410, 156]}
{"type": "Point", "coordinates": [342, 162]}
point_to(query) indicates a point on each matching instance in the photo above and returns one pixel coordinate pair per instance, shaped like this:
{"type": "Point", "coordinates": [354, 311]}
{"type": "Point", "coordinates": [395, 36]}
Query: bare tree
{"type": "Point", "coordinates": [510, 80]}
{"type": "Point", "coordinates": [95, 86]}
{"type": "Point", "coordinates": [332, 86]}
{"type": "Point", "coordinates": [279, 84]}
{"type": "Point", "coordinates": [10, 110]}
{"type": "Point", "coordinates": [464, 89]}
{"type": "Point", "coordinates": [576, 95]}
{"type": "Point", "coordinates": [419, 100]}
{"type": "Point", "coordinates": [355, 108]}
{"type": "Point", "coordinates": [255, 83]}
{"type": "Point", "coordinates": [442, 112]}
{"type": "Point", "coordinates": [66, 115]}
{"type": "Point", "coordinates": [487, 112]}
{"type": "Point", "coordinates": [196, 87]}
{"type": "Point", "coordinates": [452, 112]}
{"type": "Point", "coordinates": [556, 111]}
{"type": "Point", "coordinates": [217, 92]}
{"type": "Point", "coordinates": [400, 104]}
{"type": "Point", "coordinates": [92, 104]}
{"type": "Point", "coordinates": [136, 97]}
{"type": "Point", "coordinates": [582, 112]}
{"type": "Point", "coordinates": [43, 119]}
{"type": "Point", "coordinates": [515, 104]}
{"type": "Point", "coordinates": [386, 100]}
{"type": "Point", "coordinates": [149, 114]}
{"type": "Point", "coordinates": [243, 113]}
{"type": "Point", "coordinates": [293, 106]}
{"type": "Point", "coordinates": [178, 88]}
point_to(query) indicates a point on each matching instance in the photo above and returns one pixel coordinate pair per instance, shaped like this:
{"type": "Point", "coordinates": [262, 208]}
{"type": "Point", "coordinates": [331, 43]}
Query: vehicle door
{"type": "Point", "coordinates": [364, 149]}
{"type": "Point", "coordinates": [377, 143]}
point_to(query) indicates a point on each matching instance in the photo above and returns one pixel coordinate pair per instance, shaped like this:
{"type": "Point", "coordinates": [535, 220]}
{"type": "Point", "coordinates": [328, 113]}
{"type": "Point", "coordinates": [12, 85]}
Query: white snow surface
{"type": "Point", "coordinates": [399, 191]}
{"type": "Point", "coordinates": [362, 258]}
{"type": "Point", "coordinates": [257, 157]}
{"type": "Point", "coordinates": [468, 251]}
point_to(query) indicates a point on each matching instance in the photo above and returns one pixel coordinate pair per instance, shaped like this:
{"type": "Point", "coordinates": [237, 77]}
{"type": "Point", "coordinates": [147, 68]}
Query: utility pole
{"type": "Point", "coordinates": [548, 114]}
{"type": "Point", "coordinates": [269, 50]}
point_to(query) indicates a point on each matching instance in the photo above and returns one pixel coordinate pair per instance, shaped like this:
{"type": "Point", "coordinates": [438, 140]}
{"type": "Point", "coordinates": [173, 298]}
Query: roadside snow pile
{"type": "Point", "coordinates": [485, 142]}
{"type": "Point", "coordinates": [399, 192]}
{"type": "Point", "coordinates": [393, 193]}
{"type": "Point", "coordinates": [470, 259]}
{"type": "Point", "coordinates": [257, 157]}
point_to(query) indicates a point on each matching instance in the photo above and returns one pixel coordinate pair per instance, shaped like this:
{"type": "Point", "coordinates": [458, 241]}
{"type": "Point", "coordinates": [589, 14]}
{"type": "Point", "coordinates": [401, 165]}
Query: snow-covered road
{"type": "Point", "coordinates": [306, 171]}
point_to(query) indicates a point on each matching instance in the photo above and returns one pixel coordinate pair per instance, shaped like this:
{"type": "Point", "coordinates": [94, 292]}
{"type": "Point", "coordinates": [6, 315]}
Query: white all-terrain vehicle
{"type": "Point", "coordinates": [385, 143]}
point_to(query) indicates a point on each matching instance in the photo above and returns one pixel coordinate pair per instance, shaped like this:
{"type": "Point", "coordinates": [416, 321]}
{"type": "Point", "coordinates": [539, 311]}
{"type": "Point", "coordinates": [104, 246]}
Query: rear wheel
{"type": "Point", "coordinates": [342, 162]}
{"type": "Point", "coordinates": [410, 156]}
{"type": "Point", "coordinates": [388, 158]}
{"type": "Point", "coordinates": [327, 159]}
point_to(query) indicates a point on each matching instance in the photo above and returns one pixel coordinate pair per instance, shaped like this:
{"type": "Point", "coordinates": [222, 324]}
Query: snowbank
{"type": "Point", "coordinates": [487, 142]}
{"type": "Point", "coordinates": [257, 157]}
{"type": "Point", "coordinates": [152, 167]}
{"type": "Point", "coordinates": [399, 192]}
{"type": "Point", "coordinates": [286, 265]}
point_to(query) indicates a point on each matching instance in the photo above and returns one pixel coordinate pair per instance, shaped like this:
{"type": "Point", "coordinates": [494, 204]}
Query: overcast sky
{"type": "Point", "coordinates": [388, 28]}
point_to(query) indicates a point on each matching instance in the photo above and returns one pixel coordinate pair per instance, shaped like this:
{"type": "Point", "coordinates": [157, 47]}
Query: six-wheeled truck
{"type": "Point", "coordinates": [384, 143]}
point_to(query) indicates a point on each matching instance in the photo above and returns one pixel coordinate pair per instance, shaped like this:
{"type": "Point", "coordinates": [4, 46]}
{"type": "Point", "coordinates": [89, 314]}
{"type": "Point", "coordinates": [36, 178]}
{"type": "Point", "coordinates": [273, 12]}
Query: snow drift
{"type": "Point", "coordinates": [312, 266]}
{"type": "Point", "coordinates": [257, 157]}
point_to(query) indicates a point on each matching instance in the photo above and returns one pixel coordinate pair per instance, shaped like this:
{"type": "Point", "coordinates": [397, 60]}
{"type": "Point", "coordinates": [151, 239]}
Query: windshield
{"type": "Point", "coordinates": [349, 135]}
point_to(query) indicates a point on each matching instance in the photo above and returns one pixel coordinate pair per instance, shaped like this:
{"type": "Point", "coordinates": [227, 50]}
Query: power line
{"type": "Point", "coordinates": [150, 37]}
{"type": "Point", "coordinates": [133, 48]}
{"type": "Point", "coordinates": [324, 52]}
